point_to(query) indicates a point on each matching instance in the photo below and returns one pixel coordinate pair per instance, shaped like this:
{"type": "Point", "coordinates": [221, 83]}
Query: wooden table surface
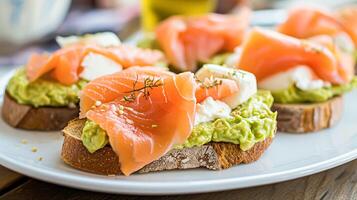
{"type": "Point", "coordinates": [339, 183]}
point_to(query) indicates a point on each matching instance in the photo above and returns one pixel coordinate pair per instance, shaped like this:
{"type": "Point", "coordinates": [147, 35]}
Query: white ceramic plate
{"type": "Point", "coordinates": [290, 156]}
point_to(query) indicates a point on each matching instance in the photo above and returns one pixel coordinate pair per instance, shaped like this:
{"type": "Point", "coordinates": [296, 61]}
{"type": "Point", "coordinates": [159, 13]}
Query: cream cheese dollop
{"type": "Point", "coordinates": [245, 81]}
{"type": "Point", "coordinates": [96, 65]}
{"type": "Point", "coordinates": [104, 39]}
{"type": "Point", "coordinates": [302, 76]}
{"type": "Point", "coordinates": [211, 109]}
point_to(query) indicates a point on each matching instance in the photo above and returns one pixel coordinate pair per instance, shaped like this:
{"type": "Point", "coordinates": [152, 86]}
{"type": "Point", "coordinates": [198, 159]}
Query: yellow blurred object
{"type": "Point", "coordinates": [153, 11]}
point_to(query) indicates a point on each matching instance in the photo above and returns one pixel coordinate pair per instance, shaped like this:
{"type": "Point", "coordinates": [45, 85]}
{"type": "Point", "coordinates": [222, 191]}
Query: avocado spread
{"type": "Point", "coordinates": [148, 42]}
{"type": "Point", "coordinates": [42, 92]}
{"type": "Point", "coordinates": [251, 122]}
{"type": "Point", "coordinates": [295, 95]}
{"type": "Point", "coordinates": [93, 136]}
{"type": "Point", "coordinates": [219, 59]}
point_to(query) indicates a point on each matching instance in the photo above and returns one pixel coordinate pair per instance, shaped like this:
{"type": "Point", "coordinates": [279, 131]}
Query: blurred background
{"type": "Point", "coordinates": [28, 26]}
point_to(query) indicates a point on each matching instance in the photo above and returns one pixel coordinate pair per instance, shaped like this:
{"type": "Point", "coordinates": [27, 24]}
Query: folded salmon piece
{"type": "Point", "coordinates": [189, 40]}
{"type": "Point", "coordinates": [266, 52]}
{"type": "Point", "coordinates": [64, 65]}
{"type": "Point", "coordinates": [305, 22]}
{"type": "Point", "coordinates": [145, 112]}
{"type": "Point", "coordinates": [347, 16]}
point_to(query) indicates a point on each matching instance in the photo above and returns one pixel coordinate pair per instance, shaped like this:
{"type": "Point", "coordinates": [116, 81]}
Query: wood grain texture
{"type": "Point", "coordinates": [8, 178]}
{"type": "Point", "coordinates": [339, 183]}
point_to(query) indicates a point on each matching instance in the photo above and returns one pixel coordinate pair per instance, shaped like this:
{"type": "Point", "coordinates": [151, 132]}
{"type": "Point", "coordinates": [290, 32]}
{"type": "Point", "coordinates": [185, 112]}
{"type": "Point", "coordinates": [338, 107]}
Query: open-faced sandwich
{"type": "Point", "coordinates": [190, 41]}
{"type": "Point", "coordinates": [146, 119]}
{"type": "Point", "coordinates": [307, 77]}
{"type": "Point", "coordinates": [43, 95]}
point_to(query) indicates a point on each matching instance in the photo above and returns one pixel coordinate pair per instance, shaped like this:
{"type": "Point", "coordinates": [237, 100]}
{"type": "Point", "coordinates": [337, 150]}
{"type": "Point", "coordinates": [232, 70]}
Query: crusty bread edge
{"type": "Point", "coordinates": [213, 156]}
{"type": "Point", "coordinates": [305, 118]}
{"type": "Point", "coordinates": [31, 118]}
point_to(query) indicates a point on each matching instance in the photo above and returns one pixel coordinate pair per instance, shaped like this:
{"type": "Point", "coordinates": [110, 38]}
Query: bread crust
{"type": "Point", "coordinates": [31, 118]}
{"type": "Point", "coordinates": [215, 155]}
{"type": "Point", "coordinates": [304, 118]}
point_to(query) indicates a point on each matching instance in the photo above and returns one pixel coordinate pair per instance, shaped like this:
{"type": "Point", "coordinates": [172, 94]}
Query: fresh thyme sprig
{"type": "Point", "coordinates": [149, 84]}
{"type": "Point", "coordinates": [209, 82]}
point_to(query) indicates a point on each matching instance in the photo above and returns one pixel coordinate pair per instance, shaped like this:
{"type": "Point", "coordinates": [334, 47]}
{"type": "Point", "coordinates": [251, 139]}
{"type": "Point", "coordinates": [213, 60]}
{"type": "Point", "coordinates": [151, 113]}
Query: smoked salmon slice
{"type": "Point", "coordinates": [106, 88]}
{"type": "Point", "coordinates": [216, 88]}
{"type": "Point", "coordinates": [347, 16]}
{"type": "Point", "coordinates": [304, 22]}
{"type": "Point", "coordinates": [266, 52]}
{"type": "Point", "coordinates": [144, 127]}
{"type": "Point", "coordinates": [38, 65]}
{"type": "Point", "coordinates": [189, 40]}
{"type": "Point", "coordinates": [64, 65]}
{"type": "Point", "coordinates": [346, 59]}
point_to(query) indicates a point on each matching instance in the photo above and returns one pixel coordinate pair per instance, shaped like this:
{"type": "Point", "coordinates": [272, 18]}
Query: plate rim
{"type": "Point", "coordinates": [171, 188]}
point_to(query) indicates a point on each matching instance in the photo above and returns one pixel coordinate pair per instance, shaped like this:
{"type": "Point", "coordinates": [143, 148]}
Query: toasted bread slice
{"type": "Point", "coordinates": [215, 155]}
{"type": "Point", "coordinates": [303, 118]}
{"type": "Point", "coordinates": [42, 118]}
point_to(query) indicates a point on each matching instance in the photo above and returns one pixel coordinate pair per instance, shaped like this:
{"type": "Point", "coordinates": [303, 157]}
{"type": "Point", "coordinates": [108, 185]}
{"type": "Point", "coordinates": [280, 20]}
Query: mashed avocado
{"type": "Point", "coordinates": [42, 92]}
{"type": "Point", "coordinates": [219, 59]}
{"type": "Point", "coordinates": [148, 42]}
{"type": "Point", "coordinates": [252, 122]}
{"type": "Point", "coordinates": [295, 95]}
{"type": "Point", "coordinates": [93, 136]}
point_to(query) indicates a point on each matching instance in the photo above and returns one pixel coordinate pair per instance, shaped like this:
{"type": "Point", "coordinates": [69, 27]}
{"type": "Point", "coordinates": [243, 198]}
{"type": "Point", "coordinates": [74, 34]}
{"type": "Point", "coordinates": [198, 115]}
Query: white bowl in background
{"type": "Point", "coordinates": [23, 21]}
